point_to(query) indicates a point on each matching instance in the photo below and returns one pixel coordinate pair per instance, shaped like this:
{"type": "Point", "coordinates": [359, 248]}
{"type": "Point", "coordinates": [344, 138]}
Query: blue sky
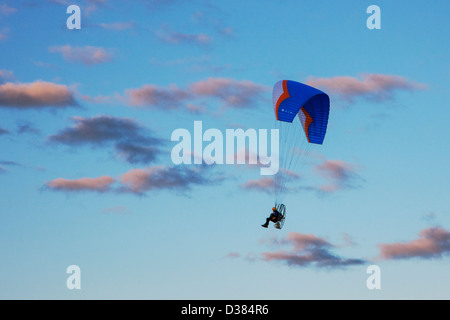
{"type": "Point", "coordinates": [86, 176]}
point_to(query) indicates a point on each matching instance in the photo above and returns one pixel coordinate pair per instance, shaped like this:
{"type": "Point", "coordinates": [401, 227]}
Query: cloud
{"type": "Point", "coordinates": [195, 108]}
{"type": "Point", "coordinates": [140, 181]}
{"type": "Point", "coordinates": [196, 64]}
{"type": "Point", "coordinates": [180, 178]}
{"type": "Point", "coordinates": [100, 184]}
{"type": "Point", "coordinates": [374, 87]}
{"type": "Point", "coordinates": [26, 127]}
{"type": "Point", "coordinates": [118, 26]}
{"type": "Point", "coordinates": [9, 163]}
{"type": "Point", "coordinates": [6, 75]}
{"type": "Point", "coordinates": [119, 210]}
{"type": "Point", "coordinates": [283, 179]}
{"type": "Point", "coordinates": [266, 184]}
{"type": "Point", "coordinates": [99, 99]}
{"type": "Point", "coordinates": [433, 242]}
{"type": "Point", "coordinates": [97, 130]}
{"type": "Point", "coordinates": [87, 55]}
{"type": "Point", "coordinates": [3, 35]}
{"type": "Point", "coordinates": [308, 250]}
{"type": "Point", "coordinates": [38, 94]}
{"type": "Point", "coordinates": [227, 31]}
{"type": "Point", "coordinates": [233, 93]}
{"type": "Point", "coordinates": [89, 6]}
{"type": "Point", "coordinates": [42, 64]}
{"type": "Point", "coordinates": [155, 96]}
{"type": "Point", "coordinates": [233, 255]}
{"type": "Point", "coordinates": [135, 153]}
{"type": "Point", "coordinates": [212, 17]}
{"type": "Point", "coordinates": [159, 4]}
{"type": "Point", "coordinates": [167, 35]}
{"type": "Point", "coordinates": [132, 141]}
{"type": "Point", "coordinates": [6, 10]}
{"type": "Point", "coordinates": [340, 175]}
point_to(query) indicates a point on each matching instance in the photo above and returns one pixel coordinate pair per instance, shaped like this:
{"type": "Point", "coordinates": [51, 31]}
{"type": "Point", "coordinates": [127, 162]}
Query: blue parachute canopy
{"type": "Point", "coordinates": [291, 98]}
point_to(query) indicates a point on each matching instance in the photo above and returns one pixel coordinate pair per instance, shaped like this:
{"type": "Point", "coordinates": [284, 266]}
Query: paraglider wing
{"type": "Point", "coordinates": [312, 106]}
{"type": "Point", "coordinates": [292, 99]}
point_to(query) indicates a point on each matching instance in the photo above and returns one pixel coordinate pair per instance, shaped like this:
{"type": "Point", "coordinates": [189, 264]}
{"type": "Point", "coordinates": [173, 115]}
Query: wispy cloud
{"type": "Point", "coordinates": [119, 210]}
{"type": "Point", "coordinates": [374, 87]}
{"type": "Point", "coordinates": [38, 94]}
{"type": "Point", "coordinates": [118, 26]}
{"type": "Point", "coordinates": [24, 127]}
{"type": "Point", "coordinates": [3, 34]}
{"type": "Point", "coordinates": [88, 6]}
{"type": "Point", "coordinates": [167, 35]}
{"type": "Point", "coordinates": [308, 250]}
{"type": "Point", "coordinates": [100, 184]}
{"type": "Point", "coordinates": [137, 153]}
{"type": "Point", "coordinates": [160, 4]}
{"type": "Point", "coordinates": [432, 243]}
{"type": "Point", "coordinates": [265, 184]}
{"type": "Point", "coordinates": [87, 55]}
{"type": "Point", "coordinates": [212, 17]}
{"type": "Point", "coordinates": [179, 178]}
{"type": "Point", "coordinates": [196, 64]}
{"type": "Point", "coordinates": [339, 174]}
{"type": "Point", "coordinates": [233, 255]}
{"type": "Point", "coordinates": [140, 181]}
{"type": "Point", "coordinates": [132, 141]}
{"type": "Point", "coordinates": [6, 10]}
{"type": "Point", "coordinates": [97, 130]}
{"type": "Point", "coordinates": [233, 93]}
{"type": "Point", "coordinates": [6, 75]}
{"type": "Point", "coordinates": [154, 96]}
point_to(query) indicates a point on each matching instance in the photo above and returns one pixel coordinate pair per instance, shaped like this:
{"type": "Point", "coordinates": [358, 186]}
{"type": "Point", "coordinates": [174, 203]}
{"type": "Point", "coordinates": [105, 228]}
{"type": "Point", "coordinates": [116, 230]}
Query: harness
{"type": "Point", "coordinates": [275, 216]}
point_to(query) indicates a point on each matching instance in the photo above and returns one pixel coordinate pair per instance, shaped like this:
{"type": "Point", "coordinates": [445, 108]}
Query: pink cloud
{"type": "Point", "coordinates": [138, 181]}
{"type": "Point", "coordinates": [432, 242]}
{"type": "Point", "coordinates": [300, 241]}
{"type": "Point", "coordinates": [266, 184]}
{"type": "Point", "coordinates": [340, 175]}
{"type": "Point", "coordinates": [87, 55]}
{"type": "Point", "coordinates": [234, 93]}
{"type": "Point", "coordinates": [307, 250]}
{"type": "Point", "coordinates": [371, 86]}
{"type": "Point", "coordinates": [231, 92]}
{"type": "Point", "coordinates": [155, 96]}
{"type": "Point", "coordinates": [37, 94]}
{"type": "Point", "coordinates": [99, 184]}
{"type": "Point", "coordinates": [233, 255]}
